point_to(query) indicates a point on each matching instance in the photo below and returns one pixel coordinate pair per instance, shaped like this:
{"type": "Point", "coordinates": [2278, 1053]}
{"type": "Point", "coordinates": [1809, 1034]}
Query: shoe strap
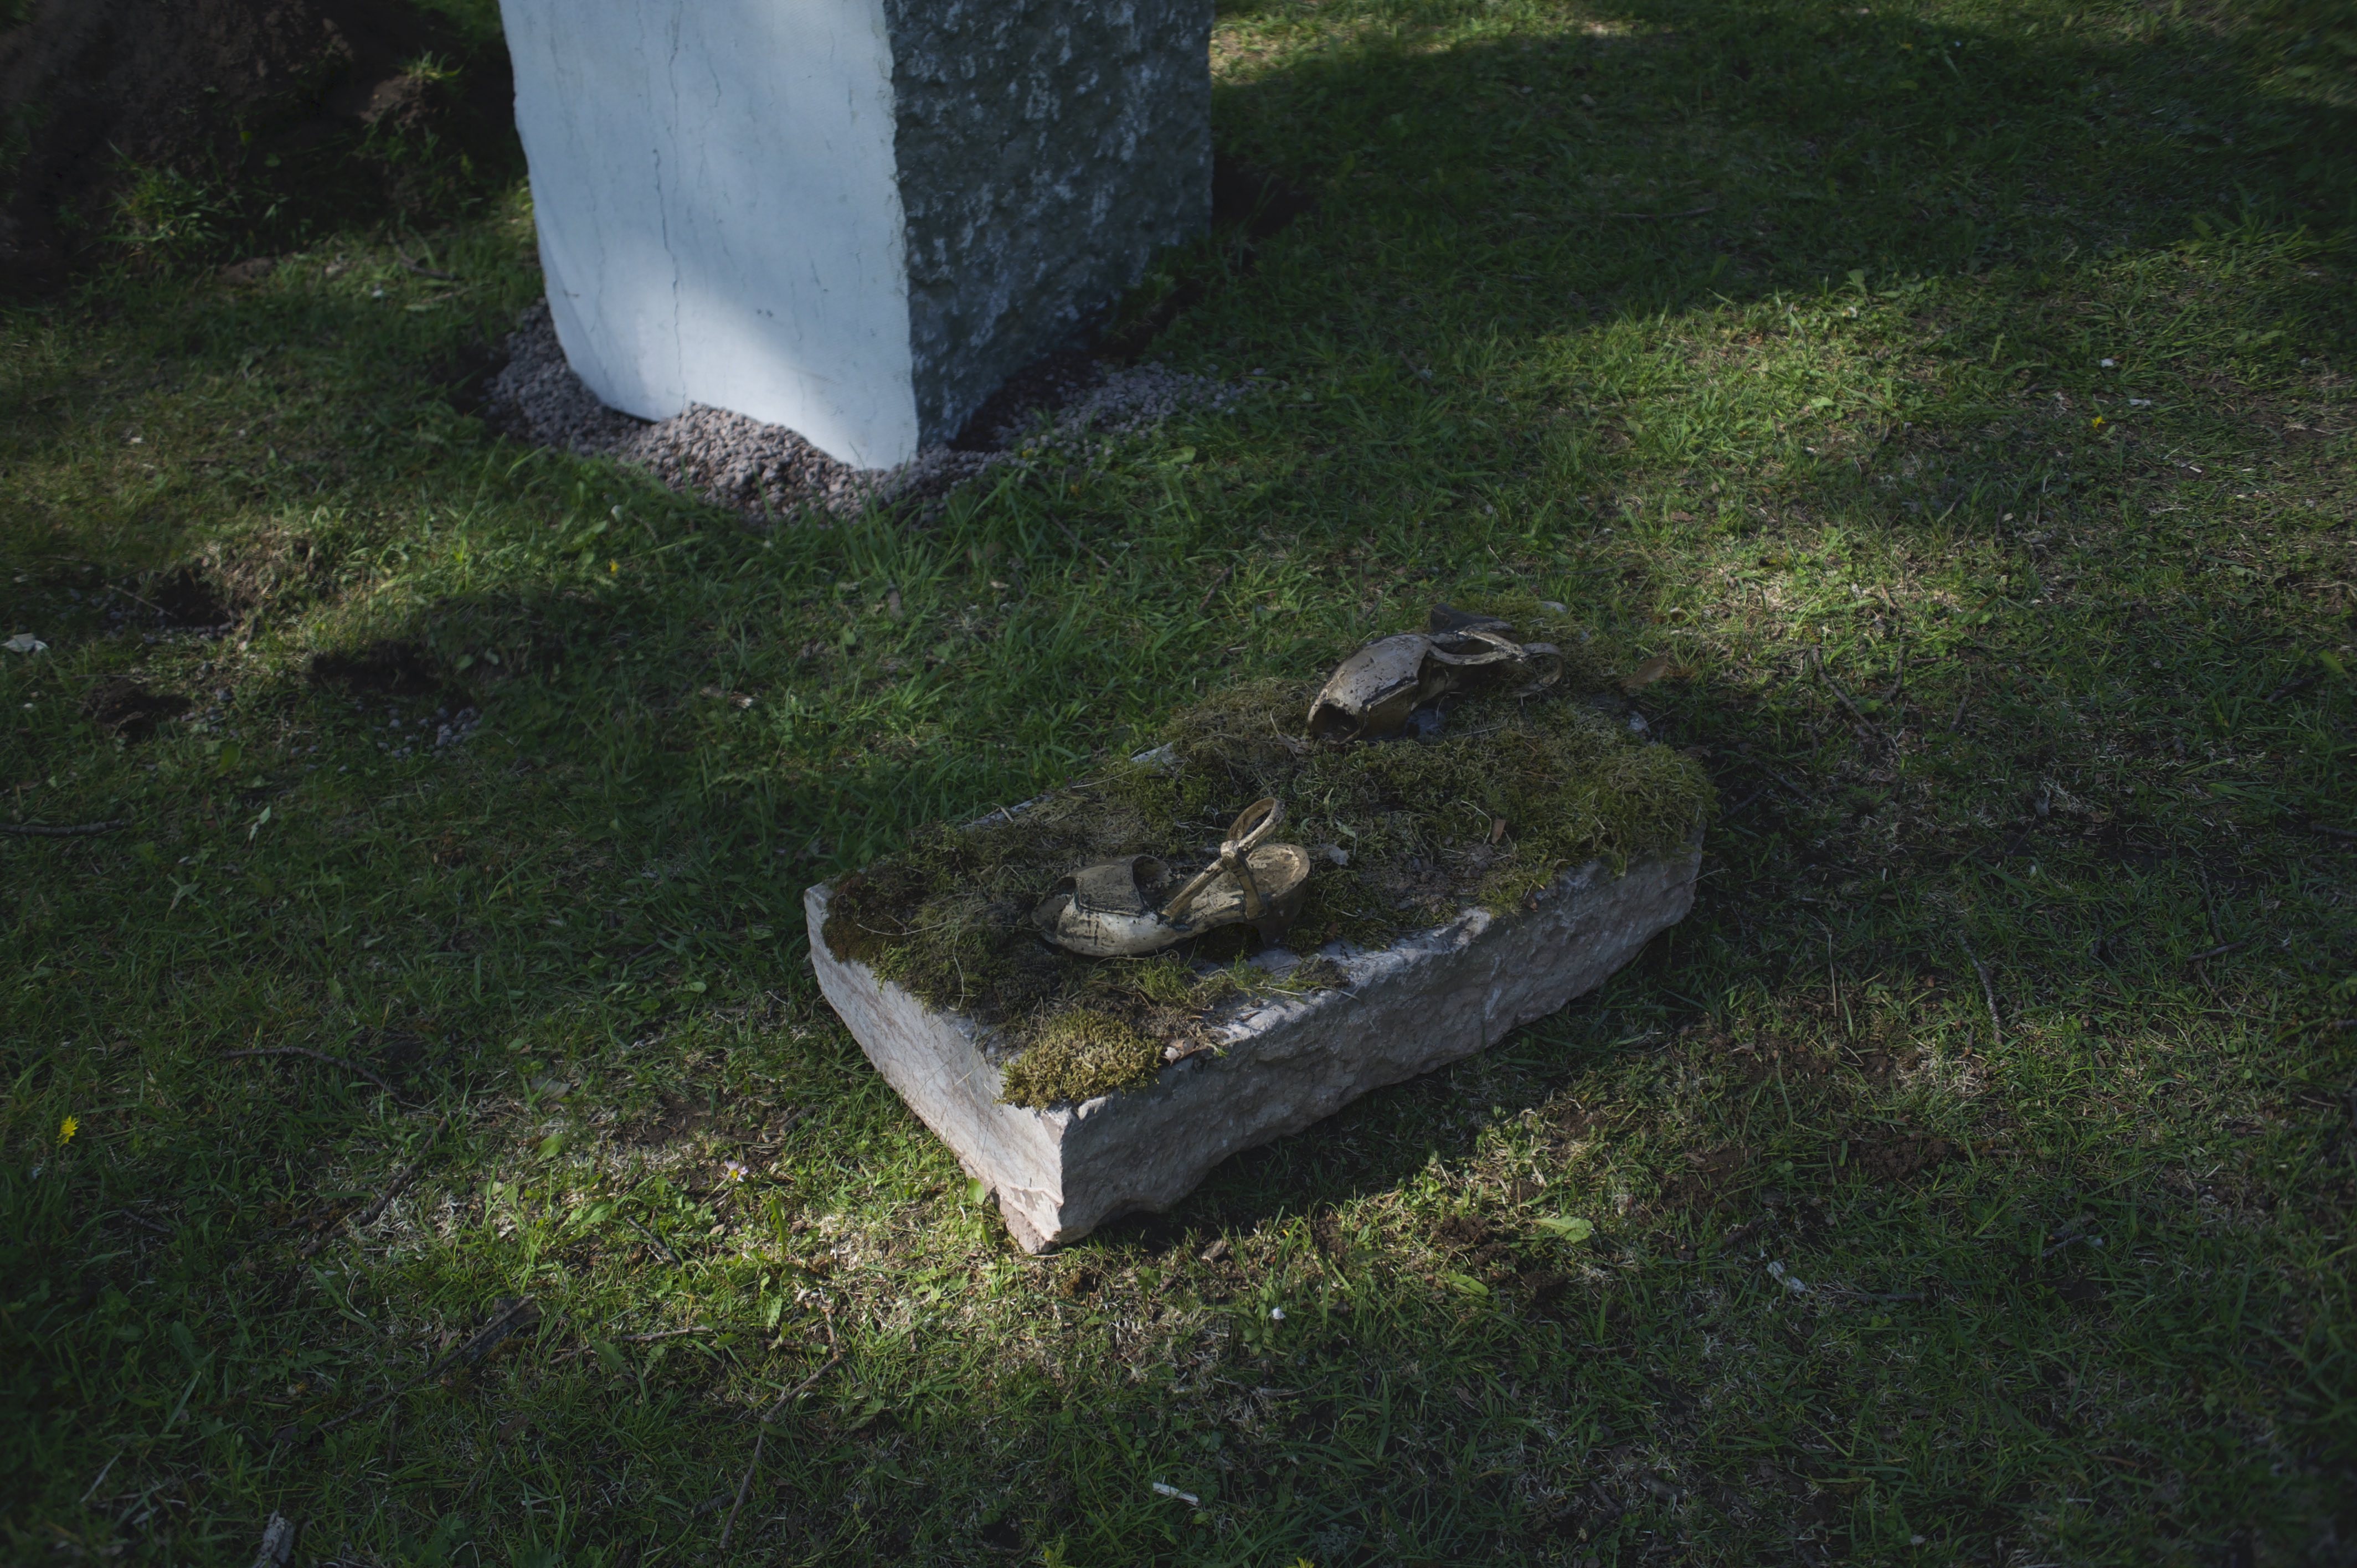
{"type": "Point", "coordinates": [1496, 649]}
{"type": "Point", "coordinates": [1253, 824]}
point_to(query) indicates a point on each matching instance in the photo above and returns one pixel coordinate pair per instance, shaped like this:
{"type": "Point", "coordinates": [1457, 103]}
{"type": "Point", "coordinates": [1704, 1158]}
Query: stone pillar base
{"type": "Point", "coordinates": [852, 218]}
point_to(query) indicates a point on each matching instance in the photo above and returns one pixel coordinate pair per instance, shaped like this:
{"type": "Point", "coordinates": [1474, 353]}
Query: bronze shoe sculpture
{"type": "Point", "coordinates": [1372, 694]}
{"type": "Point", "coordinates": [1107, 911]}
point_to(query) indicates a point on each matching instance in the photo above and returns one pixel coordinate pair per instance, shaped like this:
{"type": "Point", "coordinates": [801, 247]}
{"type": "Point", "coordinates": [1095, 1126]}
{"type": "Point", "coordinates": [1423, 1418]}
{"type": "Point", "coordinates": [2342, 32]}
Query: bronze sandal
{"type": "Point", "coordinates": [1107, 911]}
{"type": "Point", "coordinates": [1373, 693]}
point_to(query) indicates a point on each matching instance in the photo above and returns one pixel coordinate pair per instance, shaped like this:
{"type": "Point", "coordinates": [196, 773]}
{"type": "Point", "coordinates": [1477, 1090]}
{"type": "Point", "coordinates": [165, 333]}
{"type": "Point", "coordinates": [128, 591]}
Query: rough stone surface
{"type": "Point", "coordinates": [1282, 1063]}
{"type": "Point", "coordinates": [1047, 150]}
{"type": "Point", "coordinates": [850, 217]}
{"type": "Point", "coordinates": [767, 471]}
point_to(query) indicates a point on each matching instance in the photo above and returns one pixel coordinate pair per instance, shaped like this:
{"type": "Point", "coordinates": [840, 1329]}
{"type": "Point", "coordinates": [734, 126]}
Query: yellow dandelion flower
{"type": "Point", "coordinates": [613, 566]}
{"type": "Point", "coordinates": [2099, 422]}
{"type": "Point", "coordinates": [67, 1128]}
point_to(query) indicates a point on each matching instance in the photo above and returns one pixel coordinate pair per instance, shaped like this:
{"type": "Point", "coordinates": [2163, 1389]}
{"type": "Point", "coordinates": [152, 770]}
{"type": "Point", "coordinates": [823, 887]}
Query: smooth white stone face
{"type": "Point", "coordinates": [1427, 999]}
{"type": "Point", "coordinates": [718, 209]}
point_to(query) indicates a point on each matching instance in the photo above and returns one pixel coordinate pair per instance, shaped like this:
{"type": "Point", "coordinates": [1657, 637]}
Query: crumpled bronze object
{"type": "Point", "coordinates": [1373, 694]}
{"type": "Point", "coordinates": [1108, 909]}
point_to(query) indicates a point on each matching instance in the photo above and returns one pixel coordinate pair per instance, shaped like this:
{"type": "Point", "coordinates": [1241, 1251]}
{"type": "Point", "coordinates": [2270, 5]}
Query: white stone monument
{"type": "Point", "coordinates": [852, 218]}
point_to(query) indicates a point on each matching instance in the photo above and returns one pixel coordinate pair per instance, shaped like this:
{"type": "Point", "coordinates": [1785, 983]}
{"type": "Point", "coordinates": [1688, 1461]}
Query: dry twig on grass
{"type": "Point", "coordinates": [524, 1311]}
{"type": "Point", "coordinates": [2221, 950]}
{"type": "Point", "coordinates": [1855, 710]}
{"type": "Point", "coordinates": [1801, 792]}
{"type": "Point", "coordinates": [349, 1066]}
{"type": "Point", "coordinates": [78, 830]}
{"type": "Point", "coordinates": [1988, 991]}
{"type": "Point", "coordinates": [761, 1437]}
{"type": "Point", "coordinates": [650, 1338]}
{"type": "Point", "coordinates": [1078, 544]}
{"type": "Point", "coordinates": [659, 1243]}
{"type": "Point", "coordinates": [393, 1189]}
{"type": "Point", "coordinates": [1224, 574]}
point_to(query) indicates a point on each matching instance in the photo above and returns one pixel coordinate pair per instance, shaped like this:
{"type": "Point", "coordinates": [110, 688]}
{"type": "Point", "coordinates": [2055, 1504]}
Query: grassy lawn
{"type": "Point", "coordinates": [1959, 393]}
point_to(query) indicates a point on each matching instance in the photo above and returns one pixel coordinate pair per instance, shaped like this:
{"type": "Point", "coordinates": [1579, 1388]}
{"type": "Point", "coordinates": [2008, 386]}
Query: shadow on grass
{"type": "Point", "coordinates": [1668, 156]}
{"type": "Point", "coordinates": [2003, 1313]}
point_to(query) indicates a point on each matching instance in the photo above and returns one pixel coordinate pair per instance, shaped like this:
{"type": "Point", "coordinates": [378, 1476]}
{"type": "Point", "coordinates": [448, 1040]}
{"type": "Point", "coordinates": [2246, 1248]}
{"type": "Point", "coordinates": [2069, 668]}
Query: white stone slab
{"type": "Point", "coordinates": [1282, 1063]}
{"type": "Point", "coordinates": [852, 218]}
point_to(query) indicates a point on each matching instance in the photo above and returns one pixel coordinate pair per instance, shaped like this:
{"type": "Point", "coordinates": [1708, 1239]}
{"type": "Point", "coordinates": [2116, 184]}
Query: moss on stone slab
{"type": "Point", "coordinates": [1404, 834]}
{"type": "Point", "coordinates": [1078, 1055]}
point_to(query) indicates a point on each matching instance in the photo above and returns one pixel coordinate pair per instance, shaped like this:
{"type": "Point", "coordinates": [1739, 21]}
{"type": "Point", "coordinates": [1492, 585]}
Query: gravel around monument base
{"type": "Point", "coordinates": [767, 472]}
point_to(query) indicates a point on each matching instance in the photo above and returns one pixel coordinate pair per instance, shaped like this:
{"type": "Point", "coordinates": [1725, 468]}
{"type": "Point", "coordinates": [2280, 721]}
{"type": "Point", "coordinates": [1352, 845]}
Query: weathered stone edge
{"type": "Point", "coordinates": [1426, 1000]}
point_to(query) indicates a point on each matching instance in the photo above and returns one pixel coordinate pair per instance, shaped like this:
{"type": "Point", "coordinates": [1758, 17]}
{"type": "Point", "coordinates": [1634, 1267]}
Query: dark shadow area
{"type": "Point", "coordinates": [1684, 152]}
{"type": "Point", "coordinates": [1249, 209]}
{"type": "Point", "coordinates": [126, 708]}
{"type": "Point", "coordinates": [387, 668]}
{"type": "Point", "coordinates": [1040, 388]}
{"type": "Point", "coordinates": [1373, 1145]}
{"type": "Point", "coordinates": [464, 377]}
{"type": "Point", "coordinates": [171, 135]}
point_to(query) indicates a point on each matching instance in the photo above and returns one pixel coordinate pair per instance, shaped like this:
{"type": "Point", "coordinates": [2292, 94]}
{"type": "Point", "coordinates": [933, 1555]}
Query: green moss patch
{"type": "Point", "coordinates": [1404, 834]}
{"type": "Point", "coordinates": [1079, 1053]}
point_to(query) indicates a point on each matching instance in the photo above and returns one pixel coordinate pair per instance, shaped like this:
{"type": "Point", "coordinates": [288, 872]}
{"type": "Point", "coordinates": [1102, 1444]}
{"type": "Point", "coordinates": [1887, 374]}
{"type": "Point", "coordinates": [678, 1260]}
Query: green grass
{"type": "Point", "coordinates": [2003, 656]}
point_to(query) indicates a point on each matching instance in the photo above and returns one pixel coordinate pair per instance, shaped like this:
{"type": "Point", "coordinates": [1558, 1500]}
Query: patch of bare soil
{"type": "Point", "coordinates": [124, 707]}
{"type": "Point", "coordinates": [386, 669]}
{"type": "Point", "coordinates": [1896, 1158]}
{"type": "Point", "coordinates": [1710, 1184]}
{"type": "Point", "coordinates": [185, 596]}
{"type": "Point", "coordinates": [218, 100]}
